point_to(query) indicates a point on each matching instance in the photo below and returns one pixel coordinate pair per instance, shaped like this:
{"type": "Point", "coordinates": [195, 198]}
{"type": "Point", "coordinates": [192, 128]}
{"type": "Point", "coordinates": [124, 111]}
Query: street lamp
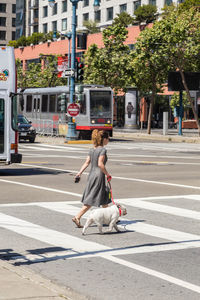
{"type": "Point", "coordinates": [71, 135]}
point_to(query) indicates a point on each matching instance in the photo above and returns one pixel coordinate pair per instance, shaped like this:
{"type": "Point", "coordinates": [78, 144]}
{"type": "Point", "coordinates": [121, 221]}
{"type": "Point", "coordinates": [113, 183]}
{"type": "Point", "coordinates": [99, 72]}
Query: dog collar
{"type": "Point", "coordinates": [120, 211]}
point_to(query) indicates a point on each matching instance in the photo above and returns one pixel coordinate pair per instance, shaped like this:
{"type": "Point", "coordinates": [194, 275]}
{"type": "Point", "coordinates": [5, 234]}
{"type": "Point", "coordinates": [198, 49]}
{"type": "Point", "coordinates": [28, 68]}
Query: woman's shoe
{"type": "Point", "coordinates": [77, 222]}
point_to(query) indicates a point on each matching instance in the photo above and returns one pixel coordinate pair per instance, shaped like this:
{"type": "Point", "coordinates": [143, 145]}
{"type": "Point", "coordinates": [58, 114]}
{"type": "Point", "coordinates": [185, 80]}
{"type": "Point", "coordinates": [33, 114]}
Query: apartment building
{"type": "Point", "coordinates": [7, 21]}
{"type": "Point", "coordinates": [20, 18]}
{"type": "Point", "coordinates": [43, 18]}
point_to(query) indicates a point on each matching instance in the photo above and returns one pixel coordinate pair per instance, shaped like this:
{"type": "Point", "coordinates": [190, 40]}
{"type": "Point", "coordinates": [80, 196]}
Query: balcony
{"type": "Point", "coordinates": [34, 4]}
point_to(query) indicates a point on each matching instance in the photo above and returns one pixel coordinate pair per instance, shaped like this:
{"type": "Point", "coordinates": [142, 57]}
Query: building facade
{"type": "Point", "coordinates": [43, 18]}
{"type": "Point", "coordinates": [7, 21]}
{"type": "Point", "coordinates": [20, 18]}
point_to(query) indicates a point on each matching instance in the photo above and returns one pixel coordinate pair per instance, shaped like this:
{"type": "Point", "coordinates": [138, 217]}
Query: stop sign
{"type": "Point", "coordinates": [73, 109]}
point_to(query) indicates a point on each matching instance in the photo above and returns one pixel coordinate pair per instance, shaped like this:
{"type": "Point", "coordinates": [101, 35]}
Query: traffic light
{"type": "Point", "coordinates": [80, 71]}
{"type": "Point", "coordinates": [62, 102]}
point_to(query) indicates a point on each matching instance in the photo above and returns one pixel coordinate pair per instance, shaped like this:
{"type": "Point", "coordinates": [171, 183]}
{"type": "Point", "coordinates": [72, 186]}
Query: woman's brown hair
{"type": "Point", "coordinates": [98, 137]}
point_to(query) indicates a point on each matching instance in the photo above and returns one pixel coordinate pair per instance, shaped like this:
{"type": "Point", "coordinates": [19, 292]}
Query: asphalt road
{"type": "Point", "coordinates": [156, 255]}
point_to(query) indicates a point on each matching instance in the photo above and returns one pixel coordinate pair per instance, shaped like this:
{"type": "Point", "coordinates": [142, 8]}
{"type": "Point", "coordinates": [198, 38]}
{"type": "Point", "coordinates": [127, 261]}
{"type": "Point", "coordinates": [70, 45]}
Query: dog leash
{"type": "Point", "coordinates": [111, 194]}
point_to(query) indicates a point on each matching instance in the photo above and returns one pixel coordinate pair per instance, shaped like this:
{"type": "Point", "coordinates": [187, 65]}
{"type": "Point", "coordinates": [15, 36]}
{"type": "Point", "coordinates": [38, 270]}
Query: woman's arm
{"type": "Point", "coordinates": [84, 166]}
{"type": "Point", "coordinates": [102, 166]}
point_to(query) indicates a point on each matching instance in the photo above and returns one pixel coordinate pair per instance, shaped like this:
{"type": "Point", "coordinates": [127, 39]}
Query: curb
{"type": "Point", "coordinates": [78, 142]}
{"type": "Point", "coordinates": [32, 278]}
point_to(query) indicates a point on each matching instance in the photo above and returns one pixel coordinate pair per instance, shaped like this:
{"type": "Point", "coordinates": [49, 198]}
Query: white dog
{"type": "Point", "coordinates": [108, 216]}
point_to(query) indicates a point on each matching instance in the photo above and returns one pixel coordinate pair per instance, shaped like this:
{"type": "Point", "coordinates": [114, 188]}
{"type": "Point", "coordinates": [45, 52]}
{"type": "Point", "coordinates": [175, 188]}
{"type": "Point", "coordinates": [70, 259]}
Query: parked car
{"type": "Point", "coordinates": [25, 129]}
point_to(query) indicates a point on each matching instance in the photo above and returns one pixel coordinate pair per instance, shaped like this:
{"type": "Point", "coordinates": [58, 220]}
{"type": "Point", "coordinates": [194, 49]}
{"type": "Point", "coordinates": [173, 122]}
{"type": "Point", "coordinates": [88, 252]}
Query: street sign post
{"type": "Point", "coordinates": [73, 109]}
{"type": "Point", "coordinates": [68, 73]}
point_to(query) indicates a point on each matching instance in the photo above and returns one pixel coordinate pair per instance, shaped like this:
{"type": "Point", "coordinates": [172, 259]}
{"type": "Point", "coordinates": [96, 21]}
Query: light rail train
{"type": "Point", "coordinates": [41, 105]}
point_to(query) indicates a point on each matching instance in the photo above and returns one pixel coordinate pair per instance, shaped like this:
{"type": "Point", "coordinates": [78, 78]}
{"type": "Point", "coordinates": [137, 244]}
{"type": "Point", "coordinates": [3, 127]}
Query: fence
{"type": "Point", "coordinates": [46, 127]}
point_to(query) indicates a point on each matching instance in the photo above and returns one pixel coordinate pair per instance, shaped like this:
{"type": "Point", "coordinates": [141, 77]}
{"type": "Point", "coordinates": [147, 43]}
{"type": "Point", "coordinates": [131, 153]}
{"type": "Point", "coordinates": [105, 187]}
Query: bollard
{"type": "Point", "coordinates": [165, 123]}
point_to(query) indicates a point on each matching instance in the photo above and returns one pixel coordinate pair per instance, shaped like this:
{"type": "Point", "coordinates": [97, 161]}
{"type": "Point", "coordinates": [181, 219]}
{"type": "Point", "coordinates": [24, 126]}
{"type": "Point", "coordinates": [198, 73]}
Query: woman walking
{"type": "Point", "coordinates": [95, 192]}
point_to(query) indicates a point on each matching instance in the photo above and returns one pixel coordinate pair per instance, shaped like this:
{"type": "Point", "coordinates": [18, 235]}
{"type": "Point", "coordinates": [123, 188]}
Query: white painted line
{"type": "Point", "coordinates": [155, 162]}
{"type": "Point", "coordinates": [180, 212]}
{"type": "Point", "coordinates": [75, 244]}
{"type": "Point", "coordinates": [194, 197]}
{"type": "Point", "coordinates": [49, 236]}
{"type": "Point", "coordinates": [41, 188]}
{"type": "Point", "coordinates": [174, 280]}
{"type": "Point", "coordinates": [124, 178]}
{"type": "Point", "coordinates": [141, 227]}
{"type": "Point", "coordinates": [34, 203]}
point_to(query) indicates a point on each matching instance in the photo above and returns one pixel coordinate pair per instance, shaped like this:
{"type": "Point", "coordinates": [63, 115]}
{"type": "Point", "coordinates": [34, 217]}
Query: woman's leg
{"type": "Point", "coordinates": [77, 218]}
{"type": "Point", "coordinates": [83, 210]}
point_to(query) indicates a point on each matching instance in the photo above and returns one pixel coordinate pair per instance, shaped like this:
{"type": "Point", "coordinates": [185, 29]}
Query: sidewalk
{"type": "Point", "coordinates": [19, 283]}
{"type": "Point", "coordinates": [188, 136]}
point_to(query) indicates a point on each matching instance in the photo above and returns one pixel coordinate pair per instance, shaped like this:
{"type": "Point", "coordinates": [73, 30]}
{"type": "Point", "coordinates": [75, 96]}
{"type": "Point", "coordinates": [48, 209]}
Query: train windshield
{"type": "Point", "coordinates": [100, 104]}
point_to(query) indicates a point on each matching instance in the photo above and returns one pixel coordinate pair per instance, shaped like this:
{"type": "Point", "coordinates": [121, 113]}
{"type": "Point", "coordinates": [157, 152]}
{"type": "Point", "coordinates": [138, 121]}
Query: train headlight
{"type": "Point", "coordinates": [93, 121]}
{"type": "Point", "coordinates": [108, 122]}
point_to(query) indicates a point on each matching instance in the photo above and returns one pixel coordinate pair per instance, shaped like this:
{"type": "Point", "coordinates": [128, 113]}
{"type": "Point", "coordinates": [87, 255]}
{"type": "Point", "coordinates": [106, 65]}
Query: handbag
{"type": "Point", "coordinates": [107, 194]}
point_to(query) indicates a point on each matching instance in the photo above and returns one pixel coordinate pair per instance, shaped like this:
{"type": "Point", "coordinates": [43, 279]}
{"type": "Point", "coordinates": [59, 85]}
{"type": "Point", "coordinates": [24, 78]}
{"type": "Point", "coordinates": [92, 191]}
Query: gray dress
{"type": "Point", "coordinates": [94, 193]}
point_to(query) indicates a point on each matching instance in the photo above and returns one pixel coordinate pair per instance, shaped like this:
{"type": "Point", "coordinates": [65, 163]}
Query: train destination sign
{"type": "Point", "coordinates": [73, 109]}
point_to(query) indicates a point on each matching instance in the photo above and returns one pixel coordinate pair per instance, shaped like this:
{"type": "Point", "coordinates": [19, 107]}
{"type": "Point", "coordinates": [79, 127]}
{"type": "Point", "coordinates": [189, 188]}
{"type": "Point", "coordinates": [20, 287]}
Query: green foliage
{"type": "Point", "coordinates": [35, 76]}
{"type": "Point", "coordinates": [123, 19]}
{"type": "Point", "coordinates": [12, 44]}
{"type": "Point", "coordinates": [91, 26]}
{"type": "Point", "coordinates": [175, 100]}
{"type": "Point", "coordinates": [145, 13]}
{"type": "Point", "coordinates": [109, 65]}
{"type": "Point", "coordinates": [187, 4]}
{"type": "Point", "coordinates": [22, 41]}
{"type": "Point", "coordinates": [34, 39]}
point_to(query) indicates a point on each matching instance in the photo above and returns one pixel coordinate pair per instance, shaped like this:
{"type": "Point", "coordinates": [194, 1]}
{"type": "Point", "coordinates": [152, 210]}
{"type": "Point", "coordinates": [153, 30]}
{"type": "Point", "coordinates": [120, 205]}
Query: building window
{"type": "Point", "coordinates": [54, 25]}
{"type": "Point", "coordinates": [97, 16]}
{"type": "Point", "coordinates": [35, 28]}
{"type": "Point", "coordinates": [85, 3]}
{"type": "Point", "coordinates": [13, 8]}
{"type": "Point", "coordinates": [2, 35]}
{"type": "Point", "coordinates": [55, 9]}
{"type": "Point", "coordinates": [123, 8]}
{"type": "Point", "coordinates": [136, 4]}
{"type": "Point", "coordinates": [152, 2]}
{"type": "Point", "coordinates": [44, 103]}
{"type": "Point", "coordinates": [13, 35]}
{"type": "Point", "coordinates": [2, 21]}
{"type": "Point", "coordinates": [45, 28]}
{"type": "Point", "coordinates": [45, 11]}
{"type": "Point", "coordinates": [13, 22]}
{"type": "Point", "coordinates": [2, 7]}
{"type": "Point", "coordinates": [64, 24]}
{"type": "Point", "coordinates": [109, 13]}
{"type": "Point", "coordinates": [64, 6]}
{"type": "Point", "coordinates": [85, 17]}
{"type": "Point", "coordinates": [168, 2]}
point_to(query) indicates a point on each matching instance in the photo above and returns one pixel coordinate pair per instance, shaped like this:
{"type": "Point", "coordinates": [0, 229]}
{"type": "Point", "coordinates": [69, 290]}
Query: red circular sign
{"type": "Point", "coordinates": [73, 109]}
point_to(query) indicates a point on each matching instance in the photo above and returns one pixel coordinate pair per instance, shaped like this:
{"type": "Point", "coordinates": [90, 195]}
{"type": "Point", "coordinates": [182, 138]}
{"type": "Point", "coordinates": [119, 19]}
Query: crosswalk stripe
{"type": "Point", "coordinates": [78, 246]}
{"type": "Point", "coordinates": [181, 212]}
{"type": "Point", "coordinates": [182, 283]}
{"type": "Point", "coordinates": [148, 229]}
{"type": "Point", "coordinates": [49, 236]}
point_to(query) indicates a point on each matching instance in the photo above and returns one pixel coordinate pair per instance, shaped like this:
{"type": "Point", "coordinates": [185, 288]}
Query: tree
{"type": "Point", "coordinates": [109, 65]}
{"type": "Point", "coordinates": [91, 26]}
{"type": "Point", "coordinates": [123, 19]}
{"type": "Point", "coordinates": [181, 36]}
{"type": "Point", "coordinates": [35, 76]}
{"type": "Point", "coordinates": [150, 64]}
{"type": "Point", "coordinates": [145, 13]}
{"type": "Point", "coordinates": [175, 100]}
